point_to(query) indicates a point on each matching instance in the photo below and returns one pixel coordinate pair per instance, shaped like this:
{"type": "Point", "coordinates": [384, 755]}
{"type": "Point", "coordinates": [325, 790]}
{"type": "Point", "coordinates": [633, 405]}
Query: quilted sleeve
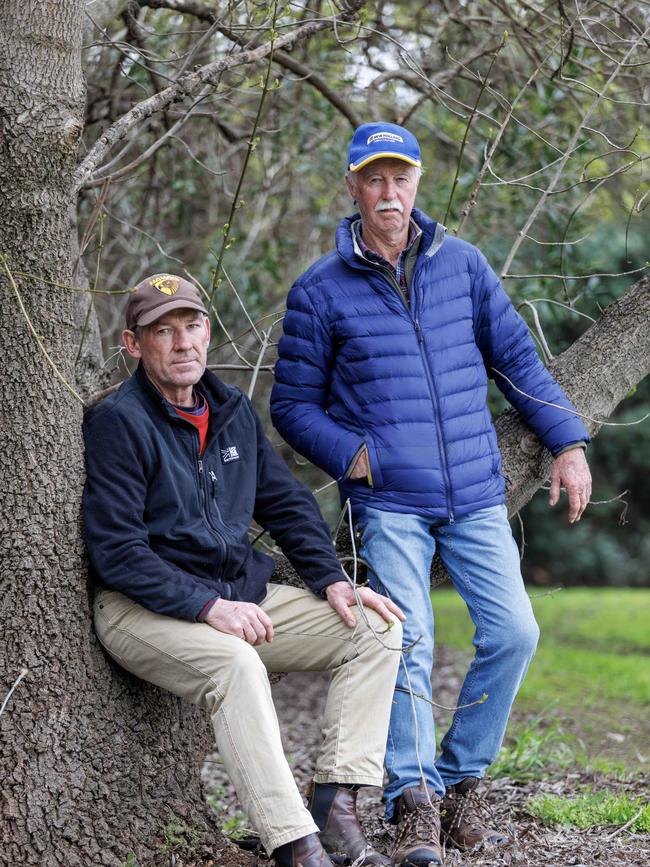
{"type": "Point", "coordinates": [511, 359]}
{"type": "Point", "coordinates": [300, 395]}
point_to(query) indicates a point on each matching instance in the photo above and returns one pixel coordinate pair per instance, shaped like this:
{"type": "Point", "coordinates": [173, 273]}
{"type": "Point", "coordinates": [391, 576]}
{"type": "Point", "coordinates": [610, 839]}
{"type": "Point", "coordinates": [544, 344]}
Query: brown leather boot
{"type": "Point", "coordinates": [304, 852]}
{"type": "Point", "coordinates": [418, 828]}
{"type": "Point", "coordinates": [334, 809]}
{"type": "Point", "coordinates": [463, 817]}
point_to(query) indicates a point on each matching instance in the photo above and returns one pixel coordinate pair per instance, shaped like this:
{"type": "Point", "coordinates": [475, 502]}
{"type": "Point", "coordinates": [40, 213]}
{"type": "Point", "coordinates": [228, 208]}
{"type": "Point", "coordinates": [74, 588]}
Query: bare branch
{"type": "Point", "coordinates": [96, 180]}
{"type": "Point", "coordinates": [189, 84]}
{"type": "Point", "coordinates": [37, 337]}
{"type": "Point", "coordinates": [20, 677]}
{"type": "Point", "coordinates": [560, 168]}
{"type": "Point", "coordinates": [206, 13]}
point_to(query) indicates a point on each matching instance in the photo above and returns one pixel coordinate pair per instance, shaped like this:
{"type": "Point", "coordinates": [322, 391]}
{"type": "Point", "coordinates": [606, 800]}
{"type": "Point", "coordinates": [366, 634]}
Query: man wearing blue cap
{"type": "Point", "coordinates": [382, 382]}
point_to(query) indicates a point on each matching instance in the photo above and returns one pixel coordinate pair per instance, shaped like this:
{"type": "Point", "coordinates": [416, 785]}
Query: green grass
{"type": "Point", "coordinates": [594, 646]}
{"type": "Point", "coordinates": [537, 747]}
{"type": "Point", "coordinates": [590, 676]}
{"type": "Point", "coordinates": [591, 810]}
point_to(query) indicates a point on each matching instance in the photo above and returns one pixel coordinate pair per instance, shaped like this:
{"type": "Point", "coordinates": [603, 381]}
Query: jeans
{"type": "Point", "coordinates": [481, 557]}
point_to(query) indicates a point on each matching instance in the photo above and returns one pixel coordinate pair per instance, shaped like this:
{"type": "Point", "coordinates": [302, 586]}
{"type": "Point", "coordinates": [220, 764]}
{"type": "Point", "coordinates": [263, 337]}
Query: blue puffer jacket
{"type": "Point", "coordinates": [356, 367]}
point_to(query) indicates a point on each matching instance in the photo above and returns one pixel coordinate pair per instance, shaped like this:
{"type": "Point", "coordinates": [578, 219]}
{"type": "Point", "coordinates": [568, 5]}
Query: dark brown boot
{"type": "Point", "coordinates": [304, 852]}
{"type": "Point", "coordinates": [334, 809]}
{"type": "Point", "coordinates": [417, 816]}
{"type": "Point", "coordinates": [464, 816]}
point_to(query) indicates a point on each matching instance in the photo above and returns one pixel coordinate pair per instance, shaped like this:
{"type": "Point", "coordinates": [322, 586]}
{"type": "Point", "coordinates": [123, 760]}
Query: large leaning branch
{"type": "Point", "coordinates": [597, 372]}
{"type": "Point", "coordinates": [190, 84]}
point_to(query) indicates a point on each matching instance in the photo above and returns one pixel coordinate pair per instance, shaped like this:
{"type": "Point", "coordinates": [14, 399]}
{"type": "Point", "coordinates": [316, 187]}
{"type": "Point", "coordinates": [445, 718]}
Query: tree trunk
{"type": "Point", "coordinates": [94, 765]}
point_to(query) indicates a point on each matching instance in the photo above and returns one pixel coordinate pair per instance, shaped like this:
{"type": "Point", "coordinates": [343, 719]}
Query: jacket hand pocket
{"type": "Point", "coordinates": [360, 462]}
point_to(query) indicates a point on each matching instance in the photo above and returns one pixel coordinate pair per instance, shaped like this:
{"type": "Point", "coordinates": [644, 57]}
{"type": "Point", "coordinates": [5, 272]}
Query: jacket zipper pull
{"type": "Point", "coordinates": [452, 520]}
{"type": "Point", "coordinates": [418, 331]}
{"type": "Point", "coordinates": [200, 466]}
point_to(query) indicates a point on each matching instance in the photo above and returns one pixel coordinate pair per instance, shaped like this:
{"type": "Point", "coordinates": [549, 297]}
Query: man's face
{"type": "Point", "coordinates": [385, 192]}
{"type": "Point", "coordinates": [173, 350]}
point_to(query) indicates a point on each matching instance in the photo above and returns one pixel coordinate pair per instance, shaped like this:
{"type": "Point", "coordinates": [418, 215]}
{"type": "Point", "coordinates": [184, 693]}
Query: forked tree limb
{"type": "Point", "coordinates": [597, 372]}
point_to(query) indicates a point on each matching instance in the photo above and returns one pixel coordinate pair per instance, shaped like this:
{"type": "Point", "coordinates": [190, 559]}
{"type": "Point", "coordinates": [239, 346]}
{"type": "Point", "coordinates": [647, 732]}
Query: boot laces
{"type": "Point", "coordinates": [471, 808]}
{"type": "Point", "coordinates": [420, 823]}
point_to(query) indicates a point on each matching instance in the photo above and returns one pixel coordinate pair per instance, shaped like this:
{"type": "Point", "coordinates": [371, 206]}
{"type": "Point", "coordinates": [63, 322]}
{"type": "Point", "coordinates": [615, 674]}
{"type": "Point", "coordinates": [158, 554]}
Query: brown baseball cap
{"type": "Point", "coordinates": [160, 294]}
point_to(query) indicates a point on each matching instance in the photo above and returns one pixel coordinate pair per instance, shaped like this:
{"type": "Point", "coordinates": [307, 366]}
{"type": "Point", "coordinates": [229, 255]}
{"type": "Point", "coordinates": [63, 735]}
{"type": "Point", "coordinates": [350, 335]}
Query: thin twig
{"type": "Point", "coordinates": [574, 276]}
{"type": "Point", "coordinates": [568, 151]}
{"type": "Point", "coordinates": [252, 144]}
{"type": "Point", "coordinates": [540, 332]}
{"type": "Point", "coordinates": [22, 674]}
{"type": "Point", "coordinates": [559, 304]}
{"type": "Point", "coordinates": [419, 695]}
{"type": "Point", "coordinates": [91, 300]}
{"type": "Point", "coordinates": [569, 410]}
{"type": "Point", "coordinates": [27, 276]}
{"type": "Point", "coordinates": [627, 824]}
{"type": "Point", "coordinates": [35, 335]}
{"type": "Point", "coordinates": [468, 125]}
{"type": "Point", "coordinates": [260, 356]}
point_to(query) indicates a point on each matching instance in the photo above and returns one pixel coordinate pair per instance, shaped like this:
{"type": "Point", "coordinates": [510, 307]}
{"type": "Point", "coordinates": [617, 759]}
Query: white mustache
{"type": "Point", "coordinates": [389, 205]}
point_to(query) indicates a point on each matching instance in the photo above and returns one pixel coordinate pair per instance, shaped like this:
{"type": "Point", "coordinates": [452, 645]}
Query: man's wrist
{"type": "Point", "coordinates": [323, 593]}
{"type": "Point", "coordinates": [580, 444]}
{"type": "Point", "coordinates": [203, 613]}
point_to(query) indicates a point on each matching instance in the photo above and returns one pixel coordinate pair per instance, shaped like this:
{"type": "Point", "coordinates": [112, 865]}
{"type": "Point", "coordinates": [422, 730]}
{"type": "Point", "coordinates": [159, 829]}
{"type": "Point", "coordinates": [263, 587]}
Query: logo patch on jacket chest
{"type": "Point", "coordinates": [229, 454]}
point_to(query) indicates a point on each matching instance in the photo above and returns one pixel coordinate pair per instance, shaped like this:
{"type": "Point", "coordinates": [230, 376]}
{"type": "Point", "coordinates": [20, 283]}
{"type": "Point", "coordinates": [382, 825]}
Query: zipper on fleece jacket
{"type": "Point", "coordinates": [433, 392]}
{"type": "Point", "coordinates": [202, 482]}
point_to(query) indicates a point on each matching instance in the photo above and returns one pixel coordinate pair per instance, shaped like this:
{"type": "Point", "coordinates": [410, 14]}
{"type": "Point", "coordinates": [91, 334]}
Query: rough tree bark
{"type": "Point", "coordinates": [597, 372]}
{"type": "Point", "coordinates": [93, 765]}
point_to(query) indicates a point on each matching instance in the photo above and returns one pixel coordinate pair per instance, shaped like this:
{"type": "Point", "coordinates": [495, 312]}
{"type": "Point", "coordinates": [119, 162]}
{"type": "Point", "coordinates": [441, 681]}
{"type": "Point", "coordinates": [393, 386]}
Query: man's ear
{"type": "Point", "coordinates": [352, 187]}
{"type": "Point", "coordinates": [131, 343]}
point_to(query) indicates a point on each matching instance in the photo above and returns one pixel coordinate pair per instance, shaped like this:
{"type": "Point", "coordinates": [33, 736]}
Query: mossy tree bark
{"type": "Point", "coordinates": [93, 764]}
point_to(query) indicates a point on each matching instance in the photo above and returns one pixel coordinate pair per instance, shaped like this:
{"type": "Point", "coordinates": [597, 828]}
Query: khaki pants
{"type": "Point", "coordinates": [229, 678]}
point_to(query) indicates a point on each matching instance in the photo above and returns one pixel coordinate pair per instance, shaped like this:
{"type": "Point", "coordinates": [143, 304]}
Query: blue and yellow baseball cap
{"type": "Point", "coordinates": [374, 141]}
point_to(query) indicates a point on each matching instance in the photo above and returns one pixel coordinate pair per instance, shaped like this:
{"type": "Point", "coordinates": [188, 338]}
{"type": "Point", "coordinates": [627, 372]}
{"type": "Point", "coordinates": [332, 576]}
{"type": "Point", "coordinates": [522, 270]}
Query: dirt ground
{"type": "Point", "coordinates": [299, 701]}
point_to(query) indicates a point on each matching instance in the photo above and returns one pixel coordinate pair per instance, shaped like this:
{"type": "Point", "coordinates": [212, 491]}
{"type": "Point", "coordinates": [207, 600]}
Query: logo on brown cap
{"type": "Point", "coordinates": [166, 283]}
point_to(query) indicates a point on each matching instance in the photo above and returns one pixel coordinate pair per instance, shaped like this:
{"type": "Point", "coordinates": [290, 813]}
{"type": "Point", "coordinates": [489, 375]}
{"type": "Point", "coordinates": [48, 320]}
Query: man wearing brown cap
{"type": "Point", "coordinates": [177, 468]}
